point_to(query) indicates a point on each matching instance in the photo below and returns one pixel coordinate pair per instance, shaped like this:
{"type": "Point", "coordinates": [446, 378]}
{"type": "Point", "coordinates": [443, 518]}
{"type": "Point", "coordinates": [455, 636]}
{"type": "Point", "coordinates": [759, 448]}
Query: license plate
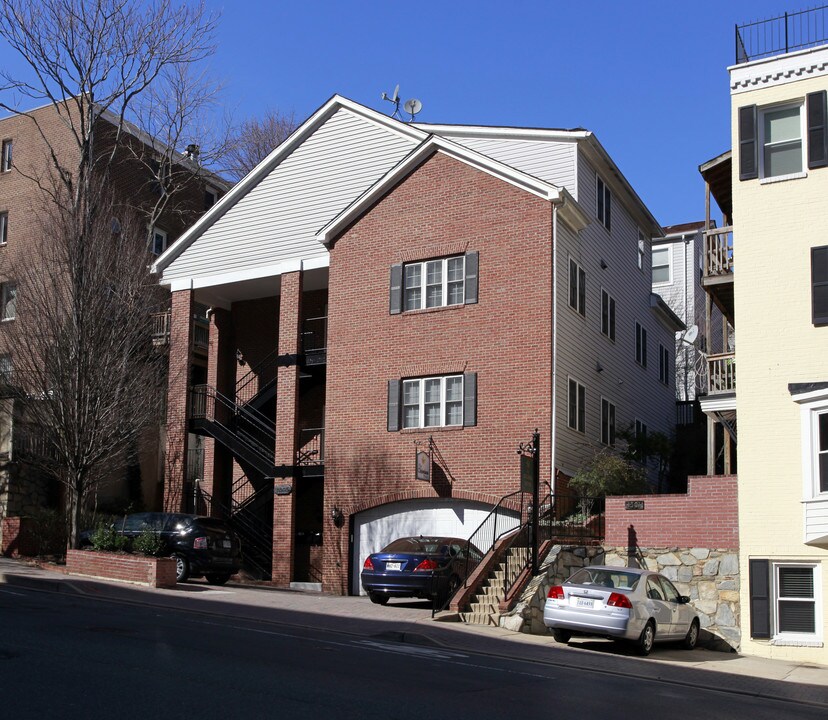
{"type": "Point", "coordinates": [226, 543]}
{"type": "Point", "coordinates": [393, 566]}
{"type": "Point", "coordinates": [584, 602]}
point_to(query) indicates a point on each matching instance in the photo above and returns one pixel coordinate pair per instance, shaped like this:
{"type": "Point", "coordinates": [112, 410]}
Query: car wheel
{"type": "Point", "coordinates": [182, 568]}
{"type": "Point", "coordinates": [217, 578]}
{"type": "Point", "coordinates": [378, 598]}
{"type": "Point", "coordinates": [692, 637]}
{"type": "Point", "coordinates": [646, 639]}
{"type": "Point", "coordinates": [561, 636]}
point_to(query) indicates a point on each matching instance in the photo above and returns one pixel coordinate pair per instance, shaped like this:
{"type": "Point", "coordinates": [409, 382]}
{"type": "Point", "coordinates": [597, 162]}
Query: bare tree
{"type": "Point", "coordinates": [85, 374]}
{"type": "Point", "coordinates": [255, 139]}
{"type": "Point", "coordinates": [88, 379]}
{"type": "Point", "coordinates": [103, 64]}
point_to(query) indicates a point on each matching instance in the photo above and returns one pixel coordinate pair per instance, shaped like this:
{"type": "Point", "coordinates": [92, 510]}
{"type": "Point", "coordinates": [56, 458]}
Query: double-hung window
{"type": "Point", "coordinates": [440, 282]}
{"type": "Point", "coordinates": [608, 315]}
{"type": "Point", "coordinates": [794, 601]}
{"type": "Point", "coordinates": [577, 287]}
{"type": "Point", "coordinates": [576, 412]}
{"type": "Point", "coordinates": [434, 283]}
{"type": "Point", "coordinates": [661, 266]}
{"type": "Point", "coordinates": [5, 370]}
{"type": "Point", "coordinates": [4, 228]}
{"type": "Point", "coordinates": [603, 202]}
{"type": "Point", "coordinates": [210, 197]}
{"type": "Point", "coordinates": [8, 301]}
{"type": "Point", "coordinates": [6, 156]}
{"type": "Point", "coordinates": [607, 422]}
{"type": "Point", "coordinates": [642, 245]}
{"type": "Point", "coordinates": [781, 141]}
{"type": "Point", "coordinates": [663, 364]}
{"type": "Point", "coordinates": [640, 345]}
{"type": "Point", "coordinates": [159, 241]}
{"type": "Point", "coordinates": [432, 402]}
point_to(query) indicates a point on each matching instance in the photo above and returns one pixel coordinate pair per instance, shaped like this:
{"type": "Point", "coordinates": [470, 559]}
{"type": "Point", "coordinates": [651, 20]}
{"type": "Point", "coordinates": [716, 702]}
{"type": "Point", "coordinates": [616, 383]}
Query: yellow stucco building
{"type": "Point", "coordinates": [779, 268]}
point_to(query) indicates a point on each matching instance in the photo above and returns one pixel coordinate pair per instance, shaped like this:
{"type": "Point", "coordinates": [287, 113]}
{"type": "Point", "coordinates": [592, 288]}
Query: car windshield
{"type": "Point", "coordinates": [606, 578]}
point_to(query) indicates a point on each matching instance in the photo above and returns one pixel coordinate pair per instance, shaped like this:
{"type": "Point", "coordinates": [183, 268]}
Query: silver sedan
{"type": "Point", "coordinates": [623, 604]}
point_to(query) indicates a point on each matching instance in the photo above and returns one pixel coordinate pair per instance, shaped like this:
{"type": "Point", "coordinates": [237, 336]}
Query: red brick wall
{"type": "Point", "coordinates": [443, 208]}
{"type": "Point", "coordinates": [707, 516]}
{"type": "Point", "coordinates": [156, 572]}
{"type": "Point", "coordinates": [18, 538]}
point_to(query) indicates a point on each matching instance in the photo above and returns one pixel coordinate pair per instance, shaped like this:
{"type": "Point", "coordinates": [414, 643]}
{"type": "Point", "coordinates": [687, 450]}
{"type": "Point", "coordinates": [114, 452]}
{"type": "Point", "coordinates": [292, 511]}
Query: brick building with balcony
{"type": "Point", "coordinates": [393, 308]}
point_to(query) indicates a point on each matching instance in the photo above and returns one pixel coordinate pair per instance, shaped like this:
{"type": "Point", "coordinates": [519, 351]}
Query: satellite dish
{"type": "Point", "coordinates": [412, 107]}
{"type": "Point", "coordinates": [691, 334]}
{"type": "Point", "coordinates": [396, 96]}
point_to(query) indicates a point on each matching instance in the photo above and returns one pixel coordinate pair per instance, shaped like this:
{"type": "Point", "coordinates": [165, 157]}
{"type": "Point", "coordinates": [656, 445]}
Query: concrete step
{"type": "Point", "coordinates": [474, 618]}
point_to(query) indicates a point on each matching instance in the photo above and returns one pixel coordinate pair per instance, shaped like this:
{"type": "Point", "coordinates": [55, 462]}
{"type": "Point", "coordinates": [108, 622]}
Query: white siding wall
{"type": "Point", "coordinates": [552, 161]}
{"type": "Point", "coordinates": [635, 391]}
{"type": "Point", "coordinates": [277, 220]}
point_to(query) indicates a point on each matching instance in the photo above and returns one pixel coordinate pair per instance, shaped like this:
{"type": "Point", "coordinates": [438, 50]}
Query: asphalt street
{"type": "Point", "coordinates": [72, 656]}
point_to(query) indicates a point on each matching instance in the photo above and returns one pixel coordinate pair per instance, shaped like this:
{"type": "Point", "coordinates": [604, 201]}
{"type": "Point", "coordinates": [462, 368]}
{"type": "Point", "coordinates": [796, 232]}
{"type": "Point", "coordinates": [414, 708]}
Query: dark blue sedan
{"type": "Point", "coordinates": [421, 567]}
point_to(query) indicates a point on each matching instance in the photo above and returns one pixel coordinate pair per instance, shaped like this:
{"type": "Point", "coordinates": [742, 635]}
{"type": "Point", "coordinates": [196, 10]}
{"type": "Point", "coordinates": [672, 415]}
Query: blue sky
{"type": "Point", "coordinates": [649, 78]}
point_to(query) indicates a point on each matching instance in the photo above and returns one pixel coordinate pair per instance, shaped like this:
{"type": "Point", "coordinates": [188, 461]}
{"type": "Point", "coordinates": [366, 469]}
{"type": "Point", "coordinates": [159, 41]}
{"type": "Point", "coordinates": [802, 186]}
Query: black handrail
{"type": "Point", "coordinates": [782, 34]}
{"type": "Point", "coordinates": [243, 394]}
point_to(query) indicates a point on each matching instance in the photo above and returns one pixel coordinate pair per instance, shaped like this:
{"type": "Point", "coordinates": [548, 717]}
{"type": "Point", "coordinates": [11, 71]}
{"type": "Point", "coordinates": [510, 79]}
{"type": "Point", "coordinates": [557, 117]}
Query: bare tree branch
{"type": "Point", "coordinates": [255, 139]}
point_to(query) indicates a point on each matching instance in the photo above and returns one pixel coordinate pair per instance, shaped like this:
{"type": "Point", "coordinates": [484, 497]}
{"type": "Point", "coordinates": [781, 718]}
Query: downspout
{"type": "Point", "coordinates": [554, 374]}
{"type": "Point", "coordinates": [686, 313]}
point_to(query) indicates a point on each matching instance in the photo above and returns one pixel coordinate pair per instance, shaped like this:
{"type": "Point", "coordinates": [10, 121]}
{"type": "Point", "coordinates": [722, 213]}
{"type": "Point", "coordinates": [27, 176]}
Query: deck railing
{"type": "Point", "coordinates": [722, 373]}
{"type": "Point", "coordinates": [782, 34]}
{"type": "Point", "coordinates": [718, 252]}
{"type": "Point", "coordinates": [161, 328]}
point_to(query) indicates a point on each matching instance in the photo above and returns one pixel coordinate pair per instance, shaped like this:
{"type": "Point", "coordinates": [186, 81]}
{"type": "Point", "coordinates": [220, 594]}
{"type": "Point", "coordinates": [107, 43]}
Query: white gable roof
{"type": "Point", "coordinates": [328, 162]}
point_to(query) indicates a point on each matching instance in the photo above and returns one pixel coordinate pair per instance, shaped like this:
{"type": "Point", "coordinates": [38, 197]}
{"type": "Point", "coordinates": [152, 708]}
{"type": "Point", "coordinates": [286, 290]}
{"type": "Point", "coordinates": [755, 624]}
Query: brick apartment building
{"type": "Point", "coordinates": [22, 204]}
{"type": "Point", "coordinates": [382, 293]}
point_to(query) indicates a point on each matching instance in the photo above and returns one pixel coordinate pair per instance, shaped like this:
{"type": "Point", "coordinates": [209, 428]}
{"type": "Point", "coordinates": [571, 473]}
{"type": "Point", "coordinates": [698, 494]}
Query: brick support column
{"type": "Point", "coordinates": [287, 406]}
{"type": "Point", "coordinates": [178, 399]}
{"type": "Point", "coordinates": [221, 374]}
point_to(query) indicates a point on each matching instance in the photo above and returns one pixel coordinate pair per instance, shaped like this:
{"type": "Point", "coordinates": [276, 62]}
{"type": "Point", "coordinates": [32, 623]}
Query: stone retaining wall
{"type": "Point", "coordinates": [710, 577]}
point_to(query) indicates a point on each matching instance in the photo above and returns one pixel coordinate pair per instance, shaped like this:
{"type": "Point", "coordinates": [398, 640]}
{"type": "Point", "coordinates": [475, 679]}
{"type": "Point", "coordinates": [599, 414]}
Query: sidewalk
{"type": "Point", "coordinates": [411, 622]}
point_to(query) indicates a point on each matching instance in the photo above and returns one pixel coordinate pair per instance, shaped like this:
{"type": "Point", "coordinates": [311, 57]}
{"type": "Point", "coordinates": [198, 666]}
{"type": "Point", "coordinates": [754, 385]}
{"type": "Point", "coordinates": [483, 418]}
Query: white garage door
{"type": "Point", "coordinates": [375, 528]}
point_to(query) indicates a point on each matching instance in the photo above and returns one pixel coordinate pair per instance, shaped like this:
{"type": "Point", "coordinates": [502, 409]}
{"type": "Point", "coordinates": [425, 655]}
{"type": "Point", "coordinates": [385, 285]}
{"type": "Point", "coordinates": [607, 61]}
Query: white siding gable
{"type": "Point", "coordinates": [552, 161]}
{"type": "Point", "coordinates": [275, 222]}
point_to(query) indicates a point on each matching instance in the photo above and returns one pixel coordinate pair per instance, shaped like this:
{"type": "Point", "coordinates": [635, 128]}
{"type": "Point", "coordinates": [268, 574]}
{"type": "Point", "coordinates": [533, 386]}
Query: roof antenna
{"type": "Point", "coordinates": [412, 106]}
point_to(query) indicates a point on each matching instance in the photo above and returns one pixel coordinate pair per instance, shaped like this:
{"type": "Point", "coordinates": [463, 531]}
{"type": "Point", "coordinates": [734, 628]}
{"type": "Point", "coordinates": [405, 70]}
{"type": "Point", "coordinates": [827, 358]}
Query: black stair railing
{"type": "Point", "coordinates": [250, 427]}
{"type": "Point", "coordinates": [264, 372]}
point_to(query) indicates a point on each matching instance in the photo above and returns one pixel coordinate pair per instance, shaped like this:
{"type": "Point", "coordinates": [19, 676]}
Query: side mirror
{"type": "Point", "coordinates": [684, 599]}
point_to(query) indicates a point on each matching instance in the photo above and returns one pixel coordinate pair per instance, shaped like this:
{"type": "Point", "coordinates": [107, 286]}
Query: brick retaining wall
{"type": "Point", "coordinates": [155, 572]}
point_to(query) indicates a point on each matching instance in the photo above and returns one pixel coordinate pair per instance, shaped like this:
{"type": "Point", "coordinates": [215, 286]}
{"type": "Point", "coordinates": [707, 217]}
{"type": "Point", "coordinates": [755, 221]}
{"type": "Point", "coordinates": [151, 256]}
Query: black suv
{"type": "Point", "coordinates": [201, 546]}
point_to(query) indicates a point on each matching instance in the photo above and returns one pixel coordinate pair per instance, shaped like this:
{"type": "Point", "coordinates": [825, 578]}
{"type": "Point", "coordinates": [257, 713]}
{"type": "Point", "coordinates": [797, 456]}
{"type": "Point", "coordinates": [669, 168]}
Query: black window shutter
{"type": "Point", "coordinates": [817, 129]}
{"type": "Point", "coordinates": [393, 405]}
{"type": "Point", "coordinates": [608, 208]}
{"type": "Point", "coordinates": [469, 399]}
{"type": "Point", "coordinates": [819, 285]}
{"type": "Point", "coordinates": [760, 599]}
{"type": "Point", "coordinates": [395, 303]}
{"type": "Point", "coordinates": [471, 277]}
{"type": "Point", "coordinates": [748, 148]}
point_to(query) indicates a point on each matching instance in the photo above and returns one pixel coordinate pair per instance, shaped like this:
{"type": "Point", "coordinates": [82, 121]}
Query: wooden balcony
{"type": "Point", "coordinates": [161, 331]}
{"type": "Point", "coordinates": [718, 269]}
{"type": "Point", "coordinates": [721, 373]}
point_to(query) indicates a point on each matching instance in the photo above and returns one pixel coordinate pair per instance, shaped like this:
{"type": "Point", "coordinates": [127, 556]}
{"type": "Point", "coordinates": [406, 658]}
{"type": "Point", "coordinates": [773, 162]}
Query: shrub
{"type": "Point", "coordinates": [105, 538]}
{"type": "Point", "coordinates": [148, 542]}
{"type": "Point", "coordinates": [607, 474]}
{"type": "Point", "coordinates": [48, 531]}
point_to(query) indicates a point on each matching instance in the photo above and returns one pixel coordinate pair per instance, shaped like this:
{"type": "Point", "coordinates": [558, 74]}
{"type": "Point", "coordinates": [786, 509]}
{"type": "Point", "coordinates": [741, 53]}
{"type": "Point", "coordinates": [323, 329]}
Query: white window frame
{"type": "Point", "coordinates": [603, 203]}
{"type": "Point", "coordinates": [609, 304]}
{"type": "Point", "coordinates": [780, 637]}
{"type": "Point", "coordinates": [812, 407]}
{"type": "Point", "coordinates": [156, 234]}
{"type": "Point", "coordinates": [580, 287]}
{"type": "Point", "coordinates": [663, 364]}
{"type": "Point", "coordinates": [421, 403]}
{"type": "Point", "coordinates": [640, 344]}
{"type": "Point", "coordinates": [580, 407]}
{"type": "Point", "coordinates": [609, 422]}
{"type": "Point", "coordinates": [4, 227]}
{"type": "Point", "coordinates": [642, 245]}
{"type": "Point", "coordinates": [423, 285]}
{"type": "Point", "coordinates": [763, 177]}
{"type": "Point", "coordinates": [669, 264]}
{"type": "Point", "coordinates": [4, 300]}
{"type": "Point", "coordinates": [6, 157]}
